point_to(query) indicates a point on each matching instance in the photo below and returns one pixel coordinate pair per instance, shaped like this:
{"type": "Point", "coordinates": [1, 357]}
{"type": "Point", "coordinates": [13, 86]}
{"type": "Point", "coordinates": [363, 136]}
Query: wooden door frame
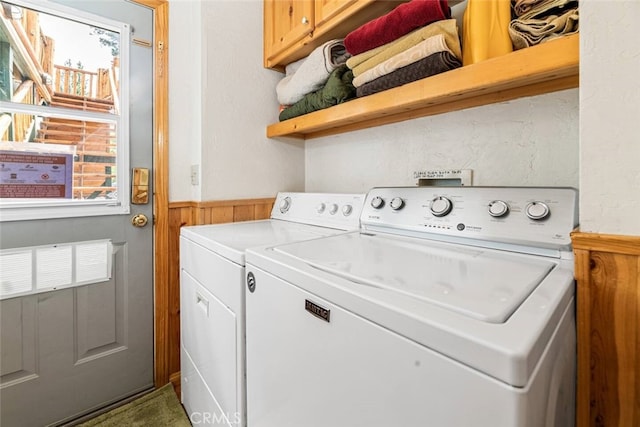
{"type": "Point", "coordinates": [161, 187]}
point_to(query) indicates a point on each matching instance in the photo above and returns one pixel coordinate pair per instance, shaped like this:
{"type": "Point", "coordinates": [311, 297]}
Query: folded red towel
{"type": "Point", "coordinates": [400, 21]}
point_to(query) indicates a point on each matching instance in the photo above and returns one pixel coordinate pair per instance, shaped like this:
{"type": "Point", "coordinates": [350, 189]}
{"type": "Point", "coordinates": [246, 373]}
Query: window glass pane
{"type": "Point", "coordinates": [58, 61]}
{"type": "Point", "coordinates": [91, 145]}
{"type": "Point", "coordinates": [63, 112]}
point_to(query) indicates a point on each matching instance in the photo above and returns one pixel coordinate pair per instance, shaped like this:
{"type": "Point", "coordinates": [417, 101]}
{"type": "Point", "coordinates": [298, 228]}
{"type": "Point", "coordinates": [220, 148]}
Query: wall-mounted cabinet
{"type": "Point", "coordinates": [329, 9]}
{"type": "Point", "coordinates": [293, 28]}
{"type": "Point", "coordinates": [285, 24]}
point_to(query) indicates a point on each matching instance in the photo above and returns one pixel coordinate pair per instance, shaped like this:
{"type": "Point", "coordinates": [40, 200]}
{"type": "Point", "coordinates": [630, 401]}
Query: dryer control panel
{"type": "Point", "coordinates": [529, 216]}
{"type": "Point", "coordinates": [334, 210]}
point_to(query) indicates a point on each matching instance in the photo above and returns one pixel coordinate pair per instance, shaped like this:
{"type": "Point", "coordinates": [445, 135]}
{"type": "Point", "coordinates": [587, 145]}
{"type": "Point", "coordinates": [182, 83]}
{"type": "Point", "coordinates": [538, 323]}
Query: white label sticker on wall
{"type": "Point", "coordinates": [457, 177]}
{"type": "Point", "coordinates": [35, 269]}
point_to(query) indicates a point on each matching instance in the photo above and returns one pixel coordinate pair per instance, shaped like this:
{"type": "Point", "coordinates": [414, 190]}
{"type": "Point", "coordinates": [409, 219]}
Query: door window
{"type": "Point", "coordinates": [63, 113]}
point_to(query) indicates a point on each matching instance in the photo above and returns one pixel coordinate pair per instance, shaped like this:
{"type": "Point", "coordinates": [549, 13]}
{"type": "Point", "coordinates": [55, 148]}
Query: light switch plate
{"type": "Point", "coordinates": [195, 174]}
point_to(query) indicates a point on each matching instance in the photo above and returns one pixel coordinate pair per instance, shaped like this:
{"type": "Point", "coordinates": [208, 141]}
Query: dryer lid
{"type": "Point", "coordinates": [231, 240]}
{"type": "Point", "coordinates": [482, 284]}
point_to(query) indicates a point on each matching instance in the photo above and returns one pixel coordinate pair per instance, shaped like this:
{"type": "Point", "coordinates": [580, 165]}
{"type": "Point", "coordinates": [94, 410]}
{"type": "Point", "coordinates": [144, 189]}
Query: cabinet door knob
{"type": "Point", "coordinates": [305, 20]}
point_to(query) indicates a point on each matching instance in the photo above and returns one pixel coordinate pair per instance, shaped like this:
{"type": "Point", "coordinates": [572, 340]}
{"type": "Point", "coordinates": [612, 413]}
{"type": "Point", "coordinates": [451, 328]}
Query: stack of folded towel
{"type": "Point", "coordinates": [413, 41]}
{"type": "Point", "coordinates": [318, 81]}
{"type": "Point", "coordinates": [537, 21]}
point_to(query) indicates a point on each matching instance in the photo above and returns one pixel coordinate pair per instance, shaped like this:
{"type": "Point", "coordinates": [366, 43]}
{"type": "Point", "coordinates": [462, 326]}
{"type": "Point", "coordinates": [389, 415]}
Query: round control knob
{"type": "Point", "coordinates": [333, 209]}
{"type": "Point", "coordinates": [440, 206]}
{"type": "Point", "coordinates": [377, 202]}
{"type": "Point", "coordinates": [285, 204]}
{"type": "Point", "coordinates": [498, 208]}
{"type": "Point", "coordinates": [346, 210]}
{"type": "Point", "coordinates": [396, 203]}
{"type": "Point", "coordinates": [537, 210]}
{"type": "Point", "coordinates": [320, 208]}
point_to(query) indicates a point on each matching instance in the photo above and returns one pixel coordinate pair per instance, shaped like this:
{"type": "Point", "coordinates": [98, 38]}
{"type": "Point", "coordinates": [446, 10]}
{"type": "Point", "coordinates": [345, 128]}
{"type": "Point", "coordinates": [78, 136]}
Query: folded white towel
{"type": "Point", "coordinates": [290, 69]}
{"type": "Point", "coordinates": [312, 73]}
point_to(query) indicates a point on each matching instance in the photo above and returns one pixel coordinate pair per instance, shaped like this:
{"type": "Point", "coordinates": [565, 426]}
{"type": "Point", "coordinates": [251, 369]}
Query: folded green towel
{"type": "Point", "coordinates": [339, 88]}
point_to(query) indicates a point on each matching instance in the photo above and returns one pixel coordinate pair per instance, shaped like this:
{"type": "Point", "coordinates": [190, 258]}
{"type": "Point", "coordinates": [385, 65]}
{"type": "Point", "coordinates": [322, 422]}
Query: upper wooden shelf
{"type": "Point", "coordinates": [544, 68]}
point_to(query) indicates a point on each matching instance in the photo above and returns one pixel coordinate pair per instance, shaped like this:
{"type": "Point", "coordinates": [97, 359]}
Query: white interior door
{"type": "Point", "coordinates": [69, 346]}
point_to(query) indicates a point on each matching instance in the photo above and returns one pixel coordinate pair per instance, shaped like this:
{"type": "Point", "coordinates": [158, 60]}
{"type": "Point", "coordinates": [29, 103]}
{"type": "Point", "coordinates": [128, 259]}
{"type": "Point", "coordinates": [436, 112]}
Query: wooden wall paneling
{"type": "Point", "coordinates": [219, 214]}
{"type": "Point", "coordinates": [263, 210]}
{"type": "Point", "coordinates": [583, 328]}
{"type": "Point", "coordinates": [244, 213]}
{"type": "Point", "coordinates": [608, 322]}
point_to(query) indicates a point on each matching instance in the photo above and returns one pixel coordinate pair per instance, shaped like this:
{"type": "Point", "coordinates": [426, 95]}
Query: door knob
{"type": "Point", "coordinates": [139, 220]}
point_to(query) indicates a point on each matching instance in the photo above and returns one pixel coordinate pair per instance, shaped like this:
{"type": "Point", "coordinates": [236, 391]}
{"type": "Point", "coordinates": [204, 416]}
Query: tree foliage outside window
{"type": "Point", "coordinates": [108, 39]}
{"type": "Point", "coordinates": [76, 83]}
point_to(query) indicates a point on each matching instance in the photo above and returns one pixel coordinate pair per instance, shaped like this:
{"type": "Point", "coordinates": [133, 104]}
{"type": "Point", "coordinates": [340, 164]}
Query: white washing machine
{"type": "Point", "coordinates": [452, 307]}
{"type": "Point", "coordinates": [212, 290]}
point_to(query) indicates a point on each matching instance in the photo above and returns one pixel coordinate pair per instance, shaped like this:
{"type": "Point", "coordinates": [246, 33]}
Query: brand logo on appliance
{"type": "Point", "coordinates": [316, 310]}
{"type": "Point", "coordinates": [251, 282]}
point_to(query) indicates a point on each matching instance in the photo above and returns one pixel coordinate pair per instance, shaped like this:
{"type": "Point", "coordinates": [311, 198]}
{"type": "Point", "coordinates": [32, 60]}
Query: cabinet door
{"type": "Point", "coordinates": [327, 9]}
{"type": "Point", "coordinates": [285, 23]}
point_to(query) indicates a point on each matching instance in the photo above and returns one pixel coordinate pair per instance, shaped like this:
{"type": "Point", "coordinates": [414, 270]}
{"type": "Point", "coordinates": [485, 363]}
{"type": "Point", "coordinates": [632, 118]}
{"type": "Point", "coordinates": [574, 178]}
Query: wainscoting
{"type": "Point", "coordinates": [608, 322]}
{"type": "Point", "coordinates": [197, 213]}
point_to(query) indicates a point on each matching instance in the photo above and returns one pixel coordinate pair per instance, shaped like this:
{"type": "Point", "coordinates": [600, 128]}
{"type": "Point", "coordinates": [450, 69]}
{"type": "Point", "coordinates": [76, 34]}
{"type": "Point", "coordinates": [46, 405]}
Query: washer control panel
{"type": "Point", "coordinates": [538, 216]}
{"type": "Point", "coordinates": [335, 210]}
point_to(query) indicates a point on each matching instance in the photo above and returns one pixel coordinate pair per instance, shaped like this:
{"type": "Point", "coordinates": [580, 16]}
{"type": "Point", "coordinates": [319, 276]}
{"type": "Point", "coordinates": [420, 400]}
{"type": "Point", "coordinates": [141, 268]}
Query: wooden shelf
{"type": "Point", "coordinates": [545, 68]}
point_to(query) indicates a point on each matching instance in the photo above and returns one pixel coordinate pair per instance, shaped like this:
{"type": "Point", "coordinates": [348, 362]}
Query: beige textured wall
{"type": "Point", "coordinates": [528, 142]}
{"type": "Point", "coordinates": [610, 117]}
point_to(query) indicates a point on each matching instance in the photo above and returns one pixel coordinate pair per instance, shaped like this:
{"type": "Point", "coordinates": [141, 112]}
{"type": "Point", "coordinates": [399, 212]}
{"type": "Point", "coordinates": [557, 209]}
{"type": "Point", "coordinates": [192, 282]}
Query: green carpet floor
{"type": "Point", "coordinates": [158, 409]}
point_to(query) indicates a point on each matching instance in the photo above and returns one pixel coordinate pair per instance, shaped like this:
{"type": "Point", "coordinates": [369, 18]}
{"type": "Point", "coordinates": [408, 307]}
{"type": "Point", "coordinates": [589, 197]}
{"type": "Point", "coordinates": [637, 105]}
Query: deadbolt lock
{"type": "Point", "coordinates": [140, 186]}
{"type": "Point", "coordinates": [139, 220]}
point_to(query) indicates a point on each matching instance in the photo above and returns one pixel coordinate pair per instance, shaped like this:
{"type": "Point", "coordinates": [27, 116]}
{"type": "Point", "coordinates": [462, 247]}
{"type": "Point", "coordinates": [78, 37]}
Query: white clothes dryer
{"type": "Point", "coordinates": [452, 307]}
{"type": "Point", "coordinates": [212, 292]}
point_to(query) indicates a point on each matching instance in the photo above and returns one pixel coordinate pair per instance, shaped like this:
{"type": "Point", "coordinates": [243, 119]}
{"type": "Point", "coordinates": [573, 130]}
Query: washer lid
{"type": "Point", "coordinates": [481, 284]}
{"type": "Point", "coordinates": [233, 239]}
